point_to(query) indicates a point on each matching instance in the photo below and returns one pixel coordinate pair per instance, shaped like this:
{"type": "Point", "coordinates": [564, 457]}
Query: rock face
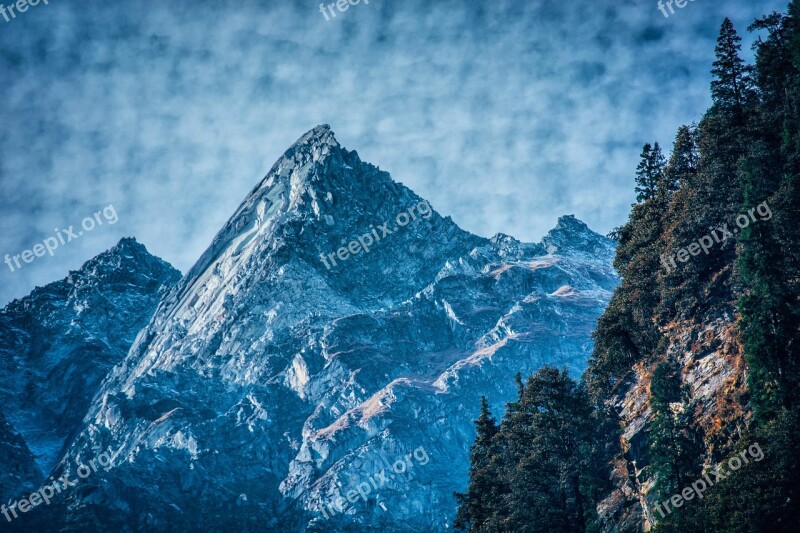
{"type": "Point", "coordinates": [320, 366]}
{"type": "Point", "coordinates": [19, 470]}
{"type": "Point", "coordinates": [709, 353]}
{"type": "Point", "coordinates": [57, 345]}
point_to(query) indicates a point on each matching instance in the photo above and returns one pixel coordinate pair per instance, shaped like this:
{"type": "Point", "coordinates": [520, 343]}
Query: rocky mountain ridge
{"type": "Point", "coordinates": [268, 385]}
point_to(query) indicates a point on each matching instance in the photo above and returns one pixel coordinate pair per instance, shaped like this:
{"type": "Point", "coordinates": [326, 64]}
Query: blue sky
{"type": "Point", "coordinates": [504, 114]}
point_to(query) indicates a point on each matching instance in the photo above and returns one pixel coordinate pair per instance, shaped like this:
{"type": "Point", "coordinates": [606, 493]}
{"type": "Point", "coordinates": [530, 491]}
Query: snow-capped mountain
{"type": "Point", "coordinates": [291, 368]}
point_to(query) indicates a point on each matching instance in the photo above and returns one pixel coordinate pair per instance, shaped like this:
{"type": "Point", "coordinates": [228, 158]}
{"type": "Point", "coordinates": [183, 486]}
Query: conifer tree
{"type": "Point", "coordinates": [676, 453]}
{"type": "Point", "coordinates": [731, 87]}
{"type": "Point", "coordinates": [683, 161]}
{"type": "Point", "coordinates": [483, 498]}
{"type": "Point", "coordinates": [649, 173]}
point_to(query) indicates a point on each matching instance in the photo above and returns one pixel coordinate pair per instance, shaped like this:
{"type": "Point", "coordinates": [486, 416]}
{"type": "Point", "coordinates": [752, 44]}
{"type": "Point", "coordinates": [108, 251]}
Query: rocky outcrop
{"type": "Point", "coordinates": [713, 375]}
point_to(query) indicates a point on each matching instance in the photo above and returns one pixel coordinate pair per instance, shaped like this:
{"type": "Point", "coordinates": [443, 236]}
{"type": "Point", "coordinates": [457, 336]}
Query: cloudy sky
{"type": "Point", "coordinates": [504, 114]}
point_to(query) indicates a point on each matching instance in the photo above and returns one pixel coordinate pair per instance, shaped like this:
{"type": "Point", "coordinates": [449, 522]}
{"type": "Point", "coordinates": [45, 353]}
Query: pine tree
{"type": "Point", "coordinates": [550, 440]}
{"type": "Point", "coordinates": [484, 495]}
{"type": "Point", "coordinates": [644, 187]}
{"type": "Point", "coordinates": [649, 173]}
{"type": "Point", "coordinates": [731, 87]}
{"type": "Point", "coordinates": [675, 452]}
{"type": "Point", "coordinates": [683, 161]}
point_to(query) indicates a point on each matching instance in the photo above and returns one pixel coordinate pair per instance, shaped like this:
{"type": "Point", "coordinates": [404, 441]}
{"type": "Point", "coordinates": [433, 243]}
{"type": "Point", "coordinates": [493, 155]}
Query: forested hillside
{"type": "Point", "coordinates": [696, 367]}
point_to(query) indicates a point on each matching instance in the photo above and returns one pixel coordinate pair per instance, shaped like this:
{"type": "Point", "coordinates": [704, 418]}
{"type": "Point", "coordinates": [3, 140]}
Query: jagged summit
{"type": "Point", "coordinates": [129, 244]}
{"type": "Point", "coordinates": [508, 247]}
{"type": "Point", "coordinates": [125, 254]}
{"type": "Point", "coordinates": [128, 255]}
{"type": "Point", "coordinates": [316, 198]}
{"type": "Point", "coordinates": [573, 236]}
{"type": "Point", "coordinates": [295, 185]}
{"type": "Point", "coordinates": [309, 151]}
{"type": "Point", "coordinates": [318, 136]}
{"type": "Point", "coordinates": [570, 236]}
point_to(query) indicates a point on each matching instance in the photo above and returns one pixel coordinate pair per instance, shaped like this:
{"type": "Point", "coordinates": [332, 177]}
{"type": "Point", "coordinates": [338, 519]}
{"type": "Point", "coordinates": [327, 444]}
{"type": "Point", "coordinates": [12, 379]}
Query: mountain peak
{"type": "Point", "coordinates": [572, 235]}
{"type": "Point", "coordinates": [569, 223]}
{"type": "Point", "coordinates": [128, 255]}
{"type": "Point", "coordinates": [295, 168]}
{"type": "Point", "coordinates": [89, 320]}
{"type": "Point", "coordinates": [314, 145]}
{"type": "Point", "coordinates": [319, 135]}
{"type": "Point", "coordinates": [127, 246]}
{"type": "Point", "coordinates": [128, 241]}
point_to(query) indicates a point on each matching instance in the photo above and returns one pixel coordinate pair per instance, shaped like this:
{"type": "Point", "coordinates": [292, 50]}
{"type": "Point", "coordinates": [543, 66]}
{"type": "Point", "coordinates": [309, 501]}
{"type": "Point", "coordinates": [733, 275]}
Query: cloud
{"type": "Point", "coordinates": [504, 114]}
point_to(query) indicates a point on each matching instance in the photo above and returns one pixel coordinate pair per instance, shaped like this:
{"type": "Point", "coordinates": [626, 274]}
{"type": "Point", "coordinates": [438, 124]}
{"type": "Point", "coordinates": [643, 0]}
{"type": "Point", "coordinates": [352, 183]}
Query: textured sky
{"type": "Point", "coordinates": [504, 114]}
